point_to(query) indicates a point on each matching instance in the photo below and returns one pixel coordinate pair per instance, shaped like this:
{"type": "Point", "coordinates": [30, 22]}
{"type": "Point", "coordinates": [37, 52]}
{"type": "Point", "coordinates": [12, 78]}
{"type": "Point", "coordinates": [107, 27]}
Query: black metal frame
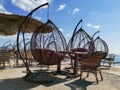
{"type": "Point", "coordinates": [54, 39]}
{"type": "Point", "coordinates": [22, 29]}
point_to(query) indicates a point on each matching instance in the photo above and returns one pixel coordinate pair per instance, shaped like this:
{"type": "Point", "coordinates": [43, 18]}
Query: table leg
{"type": "Point", "coordinates": [75, 65]}
{"type": "Point", "coordinates": [59, 66]}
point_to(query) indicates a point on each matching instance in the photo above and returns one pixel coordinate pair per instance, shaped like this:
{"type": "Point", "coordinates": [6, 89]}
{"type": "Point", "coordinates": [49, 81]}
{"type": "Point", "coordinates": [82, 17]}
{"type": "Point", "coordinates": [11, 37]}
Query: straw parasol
{"type": "Point", "coordinates": [10, 23]}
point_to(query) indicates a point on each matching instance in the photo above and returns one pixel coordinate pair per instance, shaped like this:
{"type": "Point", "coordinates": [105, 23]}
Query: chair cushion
{"type": "Point", "coordinates": [47, 56]}
{"type": "Point", "coordinates": [79, 50]}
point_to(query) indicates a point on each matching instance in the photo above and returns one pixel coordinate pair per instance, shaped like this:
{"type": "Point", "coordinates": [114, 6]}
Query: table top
{"type": "Point", "coordinates": [81, 52]}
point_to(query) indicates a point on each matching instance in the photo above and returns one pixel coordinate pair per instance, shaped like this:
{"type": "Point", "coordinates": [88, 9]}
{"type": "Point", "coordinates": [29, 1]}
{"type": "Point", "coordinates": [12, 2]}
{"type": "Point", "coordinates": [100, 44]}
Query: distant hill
{"type": "Point", "coordinates": [9, 24]}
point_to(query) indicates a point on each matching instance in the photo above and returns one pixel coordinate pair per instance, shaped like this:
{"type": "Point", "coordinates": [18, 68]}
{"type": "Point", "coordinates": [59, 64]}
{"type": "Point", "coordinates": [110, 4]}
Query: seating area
{"type": "Point", "coordinates": [48, 46]}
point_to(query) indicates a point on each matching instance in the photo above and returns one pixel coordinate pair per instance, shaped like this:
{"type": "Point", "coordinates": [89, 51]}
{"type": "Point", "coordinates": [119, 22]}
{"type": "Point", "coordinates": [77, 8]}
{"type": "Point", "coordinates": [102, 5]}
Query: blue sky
{"type": "Point", "coordinates": [102, 15]}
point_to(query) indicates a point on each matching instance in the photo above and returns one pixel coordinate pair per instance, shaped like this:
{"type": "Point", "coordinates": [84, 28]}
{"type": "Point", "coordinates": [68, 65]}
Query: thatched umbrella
{"type": "Point", "coordinates": [10, 23]}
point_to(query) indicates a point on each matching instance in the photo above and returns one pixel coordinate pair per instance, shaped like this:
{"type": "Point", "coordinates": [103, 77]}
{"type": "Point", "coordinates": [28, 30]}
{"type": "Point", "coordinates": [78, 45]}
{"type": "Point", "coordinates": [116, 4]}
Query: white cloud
{"type": "Point", "coordinates": [13, 38]}
{"type": "Point", "coordinates": [61, 7]}
{"type": "Point", "coordinates": [3, 10]}
{"type": "Point", "coordinates": [61, 29]}
{"type": "Point", "coordinates": [93, 26]}
{"type": "Point", "coordinates": [76, 10]}
{"type": "Point", "coordinates": [28, 36]}
{"type": "Point", "coordinates": [8, 37]}
{"type": "Point", "coordinates": [29, 5]}
{"type": "Point", "coordinates": [38, 18]}
{"type": "Point", "coordinates": [4, 39]}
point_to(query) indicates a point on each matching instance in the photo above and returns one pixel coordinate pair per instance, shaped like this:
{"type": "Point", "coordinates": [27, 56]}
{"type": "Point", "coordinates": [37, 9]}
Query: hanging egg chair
{"type": "Point", "coordinates": [80, 40]}
{"type": "Point", "coordinates": [100, 45]}
{"type": "Point", "coordinates": [46, 44]}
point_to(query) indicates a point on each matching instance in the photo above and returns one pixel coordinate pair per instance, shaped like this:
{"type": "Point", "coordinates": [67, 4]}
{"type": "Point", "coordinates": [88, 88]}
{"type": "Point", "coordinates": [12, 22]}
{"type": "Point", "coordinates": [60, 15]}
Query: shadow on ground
{"type": "Point", "coordinates": [79, 84]}
{"type": "Point", "coordinates": [16, 84]}
{"type": "Point", "coordinates": [44, 79]}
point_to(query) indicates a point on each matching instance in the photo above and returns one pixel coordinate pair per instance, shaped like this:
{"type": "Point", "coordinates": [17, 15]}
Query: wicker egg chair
{"type": "Point", "coordinates": [100, 45]}
{"type": "Point", "coordinates": [79, 38]}
{"type": "Point", "coordinates": [80, 42]}
{"type": "Point", "coordinates": [47, 44]}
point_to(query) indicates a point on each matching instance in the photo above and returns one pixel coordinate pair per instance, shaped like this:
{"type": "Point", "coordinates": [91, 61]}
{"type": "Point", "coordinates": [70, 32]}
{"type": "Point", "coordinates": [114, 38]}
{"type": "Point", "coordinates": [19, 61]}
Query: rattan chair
{"type": "Point", "coordinates": [5, 57]}
{"type": "Point", "coordinates": [92, 64]}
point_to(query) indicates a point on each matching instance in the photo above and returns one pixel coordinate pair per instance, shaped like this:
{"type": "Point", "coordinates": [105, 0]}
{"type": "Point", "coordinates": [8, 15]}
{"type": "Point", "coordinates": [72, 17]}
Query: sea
{"type": "Point", "coordinates": [117, 60]}
{"type": "Point", "coordinates": [115, 63]}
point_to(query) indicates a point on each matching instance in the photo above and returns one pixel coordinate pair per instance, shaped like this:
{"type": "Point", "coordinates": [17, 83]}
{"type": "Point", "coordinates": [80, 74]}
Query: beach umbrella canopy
{"type": "Point", "coordinates": [10, 24]}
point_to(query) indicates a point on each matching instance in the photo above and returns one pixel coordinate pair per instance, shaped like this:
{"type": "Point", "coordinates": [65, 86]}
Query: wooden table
{"type": "Point", "coordinates": [75, 68]}
{"type": "Point", "coordinates": [76, 55]}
